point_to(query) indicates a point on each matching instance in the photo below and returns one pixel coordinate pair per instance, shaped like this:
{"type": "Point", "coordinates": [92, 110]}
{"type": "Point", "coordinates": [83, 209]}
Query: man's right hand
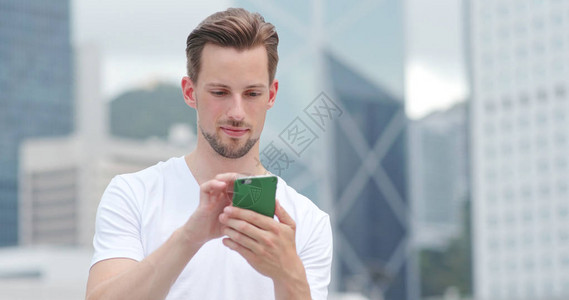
{"type": "Point", "coordinates": [215, 194]}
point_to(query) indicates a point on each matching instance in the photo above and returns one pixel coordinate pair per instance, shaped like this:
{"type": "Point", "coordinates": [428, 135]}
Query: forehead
{"type": "Point", "coordinates": [232, 66]}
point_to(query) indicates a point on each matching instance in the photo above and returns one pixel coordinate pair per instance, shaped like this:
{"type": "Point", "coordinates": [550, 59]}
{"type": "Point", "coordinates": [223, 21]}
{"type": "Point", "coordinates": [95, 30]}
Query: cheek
{"type": "Point", "coordinates": [209, 112]}
{"type": "Point", "coordinates": [261, 115]}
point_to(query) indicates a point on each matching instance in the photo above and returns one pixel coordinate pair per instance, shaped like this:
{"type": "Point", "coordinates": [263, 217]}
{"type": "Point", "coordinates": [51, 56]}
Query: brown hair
{"type": "Point", "coordinates": [237, 28]}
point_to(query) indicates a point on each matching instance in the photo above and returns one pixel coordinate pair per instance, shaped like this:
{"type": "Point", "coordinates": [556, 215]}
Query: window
{"type": "Point", "coordinates": [503, 32]}
{"type": "Point", "coordinates": [509, 218]}
{"type": "Point", "coordinates": [544, 190]}
{"type": "Point", "coordinates": [529, 263]}
{"type": "Point", "coordinates": [508, 194]}
{"type": "Point", "coordinates": [523, 122]}
{"type": "Point", "coordinates": [524, 99]}
{"type": "Point", "coordinates": [546, 260]}
{"type": "Point", "coordinates": [541, 96]}
{"type": "Point", "coordinates": [564, 260]}
{"type": "Point", "coordinates": [507, 148]}
{"type": "Point", "coordinates": [490, 174]}
{"type": "Point", "coordinates": [539, 71]}
{"type": "Point", "coordinates": [562, 189]}
{"type": "Point", "coordinates": [560, 138]}
{"type": "Point", "coordinates": [538, 23]}
{"type": "Point", "coordinates": [545, 214]}
{"type": "Point", "coordinates": [521, 51]}
{"type": "Point", "coordinates": [526, 191]}
{"type": "Point", "coordinates": [557, 19]}
{"type": "Point", "coordinates": [520, 29]}
{"type": "Point", "coordinates": [506, 125]}
{"type": "Point", "coordinates": [559, 115]}
{"type": "Point", "coordinates": [538, 47]}
{"type": "Point", "coordinates": [541, 143]}
{"type": "Point", "coordinates": [561, 163]}
{"type": "Point", "coordinates": [557, 66]}
{"type": "Point", "coordinates": [541, 119]}
{"type": "Point", "coordinates": [524, 143]}
{"type": "Point", "coordinates": [557, 43]}
{"type": "Point", "coordinates": [560, 92]}
{"type": "Point", "coordinates": [502, 10]}
{"type": "Point", "coordinates": [489, 106]}
{"type": "Point", "coordinates": [506, 103]}
{"type": "Point", "coordinates": [512, 266]}
{"type": "Point", "coordinates": [491, 196]}
{"type": "Point", "coordinates": [493, 244]}
{"type": "Point", "coordinates": [490, 152]}
{"type": "Point", "coordinates": [528, 217]}
{"type": "Point", "coordinates": [564, 235]}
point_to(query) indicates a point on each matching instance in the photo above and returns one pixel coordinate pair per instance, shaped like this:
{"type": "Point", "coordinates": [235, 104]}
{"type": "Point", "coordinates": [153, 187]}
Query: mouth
{"type": "Point", "coordinates": [234, 131]}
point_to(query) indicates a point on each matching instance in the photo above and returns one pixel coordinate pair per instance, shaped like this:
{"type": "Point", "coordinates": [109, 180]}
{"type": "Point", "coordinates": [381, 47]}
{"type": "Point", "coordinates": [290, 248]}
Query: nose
{"type": "Point", "coordinates": [236, 110]}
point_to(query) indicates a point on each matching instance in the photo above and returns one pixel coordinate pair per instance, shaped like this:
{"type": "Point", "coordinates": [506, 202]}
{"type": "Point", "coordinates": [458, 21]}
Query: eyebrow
{"type": "Point", "coordinates": [221, 85]}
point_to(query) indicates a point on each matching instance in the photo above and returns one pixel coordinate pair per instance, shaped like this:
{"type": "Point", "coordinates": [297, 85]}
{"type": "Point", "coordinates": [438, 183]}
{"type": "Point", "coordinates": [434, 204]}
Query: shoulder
{"type": "Point", "coordinates": [156, 171]}
{"type": "Point", "coordinates": [297, 205]}
{"type": "Point", "coordinates": [135, 187]}
{"type": "Point", "coordinates": [313, 228]}
{"type": "Point", "coordinates": [150, 176]}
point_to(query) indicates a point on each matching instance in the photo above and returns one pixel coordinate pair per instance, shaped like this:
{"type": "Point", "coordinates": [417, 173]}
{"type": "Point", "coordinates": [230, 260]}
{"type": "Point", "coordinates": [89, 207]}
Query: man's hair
{"type": "Point", "coordinates": [236, 28]}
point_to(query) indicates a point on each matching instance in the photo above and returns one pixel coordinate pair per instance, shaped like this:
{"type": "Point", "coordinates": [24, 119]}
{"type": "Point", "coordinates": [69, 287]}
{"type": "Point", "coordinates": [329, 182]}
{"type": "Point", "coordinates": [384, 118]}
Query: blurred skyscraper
{"type": "Point", "coordinates": [519, 62]}
{"type": "Point", "coordinates": [341, 77]}
{"type": "Point", "coordinates": [36, 89]}
{"type": "Point", "coordinates": [438, 149]}
{"type": "Point", "coordinates": [62, 179]}
{"type": "Point", "coordinates": [372, 229]}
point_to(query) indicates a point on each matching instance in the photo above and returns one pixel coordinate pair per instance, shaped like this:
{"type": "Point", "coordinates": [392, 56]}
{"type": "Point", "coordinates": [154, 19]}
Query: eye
{"type": "Point", "coordinates": [218, 93]}
{"type": "Point", "coordinates": [254, 94]}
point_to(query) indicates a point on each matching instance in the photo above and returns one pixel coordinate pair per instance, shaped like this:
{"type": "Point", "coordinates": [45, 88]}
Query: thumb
{"type": "Point", "coordinates": [283, 216]}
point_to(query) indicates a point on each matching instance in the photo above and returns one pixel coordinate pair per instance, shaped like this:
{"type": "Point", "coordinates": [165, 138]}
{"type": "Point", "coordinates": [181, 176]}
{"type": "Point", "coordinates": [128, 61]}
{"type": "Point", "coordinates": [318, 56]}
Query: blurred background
{"type": "Point", "coordinates": [436, 135]}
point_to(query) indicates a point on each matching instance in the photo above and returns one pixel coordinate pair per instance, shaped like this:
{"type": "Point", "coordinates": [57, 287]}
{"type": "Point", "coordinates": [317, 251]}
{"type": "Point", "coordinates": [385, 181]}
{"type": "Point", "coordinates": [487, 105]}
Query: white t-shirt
{"type": "Point", "coordinates": [140, 211]}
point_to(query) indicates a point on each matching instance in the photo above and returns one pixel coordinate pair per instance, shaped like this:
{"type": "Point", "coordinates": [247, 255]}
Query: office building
{"type": "Point", "coordinates": [36, 85]}
{"type": "Point", "coordinates": [323, 43]}
{"type": "Point", "coordinates": [439, 176]}
{"type": "Point", "coordinates": [519, 72]}
{"type": "Point", "coordinates": [62, 179]}
{"type": "Point", "coordinates": [372, 210]}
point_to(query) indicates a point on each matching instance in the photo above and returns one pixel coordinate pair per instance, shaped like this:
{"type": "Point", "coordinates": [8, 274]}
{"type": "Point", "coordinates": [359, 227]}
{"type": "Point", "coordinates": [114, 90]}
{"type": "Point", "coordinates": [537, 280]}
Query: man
{"type": "Point", "coordinates": [170, 231]}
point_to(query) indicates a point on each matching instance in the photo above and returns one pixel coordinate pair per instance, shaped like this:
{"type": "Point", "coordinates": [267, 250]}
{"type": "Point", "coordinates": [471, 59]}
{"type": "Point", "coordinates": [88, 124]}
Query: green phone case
{"type": "Point", "coordinates": [256, 193]}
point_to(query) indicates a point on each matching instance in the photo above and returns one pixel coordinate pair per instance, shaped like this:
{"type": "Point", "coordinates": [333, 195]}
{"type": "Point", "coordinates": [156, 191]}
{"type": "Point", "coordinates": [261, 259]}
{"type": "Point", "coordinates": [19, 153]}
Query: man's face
{"type": "Point", "coordinates": [231, 97]}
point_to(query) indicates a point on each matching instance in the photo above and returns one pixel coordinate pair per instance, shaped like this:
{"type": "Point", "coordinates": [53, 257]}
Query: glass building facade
{"type": "Point", "coordinates": [36, 89]}
{"type": "Point", "coordinates": [341, 80]}
{"type": "Point", "coordinates": [372, 223]}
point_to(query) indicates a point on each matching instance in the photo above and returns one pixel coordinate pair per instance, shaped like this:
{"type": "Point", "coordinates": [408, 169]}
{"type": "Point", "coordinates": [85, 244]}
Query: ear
{"type": "Point", "coordinates": [273, 88]}
{"type": "Point", "coordinates": [188, 89]}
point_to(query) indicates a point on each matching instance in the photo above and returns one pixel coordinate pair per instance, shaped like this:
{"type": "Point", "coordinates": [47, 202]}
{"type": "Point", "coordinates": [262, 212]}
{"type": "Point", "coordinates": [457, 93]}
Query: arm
{"type": "Point", "coordinates": [151, 278]}
{"type": "Point", "coordinates": [269, 247]}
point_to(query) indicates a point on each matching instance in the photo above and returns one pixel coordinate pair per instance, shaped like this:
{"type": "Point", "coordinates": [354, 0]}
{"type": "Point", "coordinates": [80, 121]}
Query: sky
{"type": "Point", "coordinates": [142, 42]}
{"type": "Point", "coordinates": [435, 67]}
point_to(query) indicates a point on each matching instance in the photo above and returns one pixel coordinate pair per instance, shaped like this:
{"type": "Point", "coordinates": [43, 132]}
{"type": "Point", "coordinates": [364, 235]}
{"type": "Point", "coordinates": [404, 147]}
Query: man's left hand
{"type": "Point", "coordinates": [269, 247]}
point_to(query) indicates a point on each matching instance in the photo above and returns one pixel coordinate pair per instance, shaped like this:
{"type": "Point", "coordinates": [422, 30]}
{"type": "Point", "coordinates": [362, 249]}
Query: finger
{"type": "Point", "coordinates": [283, 216]}
{"type": "Point", "coordinates": [246, 253]}
{"type": "Point", "coordinates": [242, 227]}
{"type": "Point", "coordinates": [242, 239]}
{"type": "Point", "coordinates": [213, 186]}
{"type": "Point", "coordinates": [229, 177]}
{"type": "Point", "coordinates": [249, 216]}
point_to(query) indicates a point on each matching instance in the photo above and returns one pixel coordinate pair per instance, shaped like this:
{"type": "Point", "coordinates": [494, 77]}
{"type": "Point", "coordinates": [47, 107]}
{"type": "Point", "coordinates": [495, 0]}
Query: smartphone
{"type": "Point", "coordinates": [256, 193]}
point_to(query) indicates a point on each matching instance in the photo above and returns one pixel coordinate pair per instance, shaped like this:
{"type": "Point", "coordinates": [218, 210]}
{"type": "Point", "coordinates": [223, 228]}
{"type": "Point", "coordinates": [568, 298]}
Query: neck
{"type": "Point", "coordinates": [205, 163]}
